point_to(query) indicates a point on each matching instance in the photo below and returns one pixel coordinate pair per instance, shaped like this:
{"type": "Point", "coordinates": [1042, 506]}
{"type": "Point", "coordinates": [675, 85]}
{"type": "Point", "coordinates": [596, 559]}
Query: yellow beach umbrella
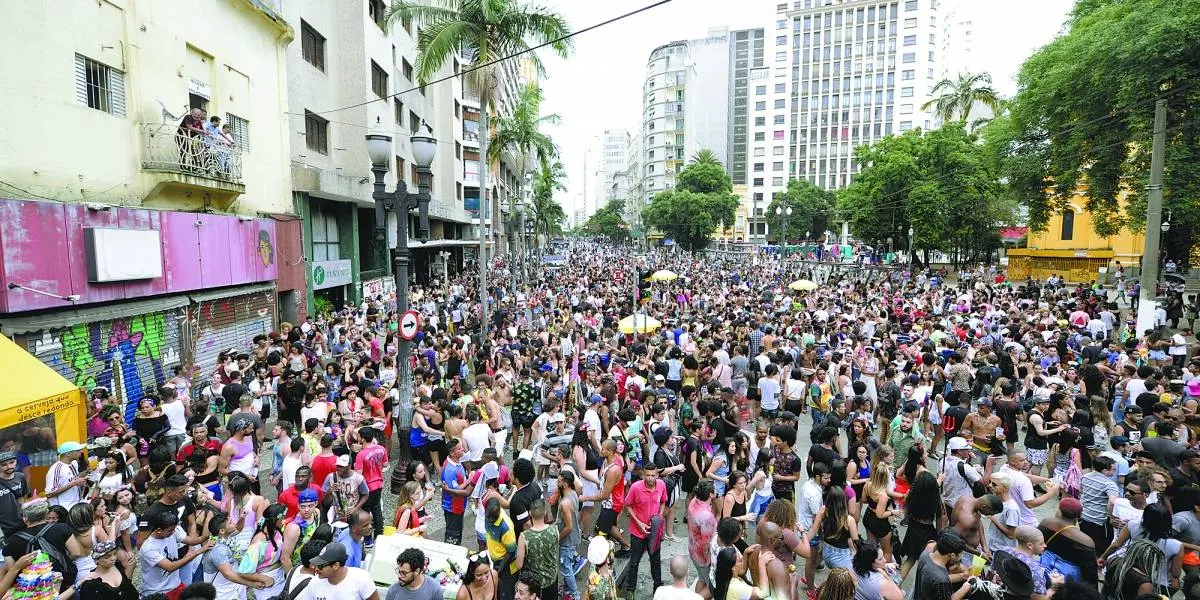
{"type": "Point", "coordinates": [663, 275]}
{"type": "Point", "coordinates": [638, 323]}
{"type": "Point", "coordinates": [802, 285]}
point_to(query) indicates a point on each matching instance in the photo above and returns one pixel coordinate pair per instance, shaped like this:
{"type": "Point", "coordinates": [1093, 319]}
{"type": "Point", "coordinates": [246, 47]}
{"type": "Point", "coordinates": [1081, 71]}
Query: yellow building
{"type": "Point", "coordinates": [94, 92]}
{"type": "Point", "coordinates": [1070, 247]}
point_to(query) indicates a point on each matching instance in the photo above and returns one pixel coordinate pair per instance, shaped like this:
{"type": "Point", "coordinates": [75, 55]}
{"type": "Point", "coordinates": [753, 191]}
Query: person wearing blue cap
{"type": "Point", "coordinates": [300, 527]}
{"type": "Point", "coordinates": [64, 484]}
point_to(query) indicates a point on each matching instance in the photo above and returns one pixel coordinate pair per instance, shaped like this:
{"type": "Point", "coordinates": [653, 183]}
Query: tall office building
{"type": "Point", "coordinates": [614, 144]}
{"type": "Point", "coordinates": [690, 100]}
{"type": "Point", "coordinates": [844, 73]}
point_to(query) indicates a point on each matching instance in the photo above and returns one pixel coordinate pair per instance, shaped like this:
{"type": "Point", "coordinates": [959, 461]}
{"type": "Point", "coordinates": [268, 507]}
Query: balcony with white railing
{"type": "Point", "coordinates": [195, 162]}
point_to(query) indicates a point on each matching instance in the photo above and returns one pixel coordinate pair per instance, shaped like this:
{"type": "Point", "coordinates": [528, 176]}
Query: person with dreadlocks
{"type": "Point", "coordinates": [839, 585]}
{"type": "Point", "coordinates": [1155, 527]}
{"type": "Point", "coordinates": [1132, 575]}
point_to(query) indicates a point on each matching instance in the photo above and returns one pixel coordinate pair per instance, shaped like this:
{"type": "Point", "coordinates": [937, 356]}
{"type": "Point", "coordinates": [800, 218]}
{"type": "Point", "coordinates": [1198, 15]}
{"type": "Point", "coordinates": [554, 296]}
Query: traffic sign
{"type": "Point", "coordinates": [410, 321]}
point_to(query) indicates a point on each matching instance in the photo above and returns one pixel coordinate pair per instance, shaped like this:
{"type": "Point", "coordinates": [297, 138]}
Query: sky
{"type": "Point", "coordinates": [600, 85]}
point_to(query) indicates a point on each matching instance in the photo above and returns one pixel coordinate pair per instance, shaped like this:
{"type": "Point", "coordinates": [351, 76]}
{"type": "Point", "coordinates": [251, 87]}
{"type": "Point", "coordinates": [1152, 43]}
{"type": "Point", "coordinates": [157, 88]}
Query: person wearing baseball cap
{"type": "Point", "coordinates": [349, 490]}
{"type": "Point", "coordinates": [13, 491]}
{"type": "Point", "coordinates": [335, 580]}
{"type": "Point", "coordinates": [65, 486]}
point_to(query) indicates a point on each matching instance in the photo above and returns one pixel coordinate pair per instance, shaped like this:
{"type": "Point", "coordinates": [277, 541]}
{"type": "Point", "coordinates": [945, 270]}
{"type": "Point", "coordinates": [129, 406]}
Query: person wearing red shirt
{"type": "Point", "coordinates": [646, 501]}
{"type": "Point", "coordinates": [370, 462]}
{"type": "Point", "coordinates": [290, 498]}
{"type": "Point", "coordinates": [200, 439]}
{"type": "Point", "coordinates": [612, 492]}
{"type": "Point", "coordinates": [325, 463]}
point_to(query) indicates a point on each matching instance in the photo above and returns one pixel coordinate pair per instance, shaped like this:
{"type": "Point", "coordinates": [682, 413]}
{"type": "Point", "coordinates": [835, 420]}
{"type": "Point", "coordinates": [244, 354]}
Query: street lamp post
{"type": "Point", "coordinates": [912, 253]}
{"type": "Point", "coordinates": [784, 215]}
{"type": "Point", "coordinates": [379, 149]}
{"type": "Point", "coordinates": [530, 230]}
{"type": "Point", "coordinates": [445, 256]}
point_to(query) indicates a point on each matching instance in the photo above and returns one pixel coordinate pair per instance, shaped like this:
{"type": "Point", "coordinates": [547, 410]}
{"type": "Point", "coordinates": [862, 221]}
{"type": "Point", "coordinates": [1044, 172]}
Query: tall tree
{"type": "Point", "coordinates": [548, 216]}
{"type": "Point", "coordinates": [810, 204]}
{"type": "Point", "coordinates": [940, 183]}
{"type": "Point", "coordinates": [702, 200]}
{"type": "Point", "coordinates": [520, 134]}
{"type": "Point", "coordinates": [1083, 115]}
{"type": "Point", "coordinates": [953, 99]}
{"type": "Point", "coordinates": [609, 221]}
{"type": "Point", "coordinates": [482, 32]}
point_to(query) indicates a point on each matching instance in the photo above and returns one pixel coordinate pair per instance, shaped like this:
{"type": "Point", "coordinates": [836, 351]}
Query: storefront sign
{"type": "Point", "coordinates": [379, 287]}
{"type": "Point", "coordinates": [331, 273]}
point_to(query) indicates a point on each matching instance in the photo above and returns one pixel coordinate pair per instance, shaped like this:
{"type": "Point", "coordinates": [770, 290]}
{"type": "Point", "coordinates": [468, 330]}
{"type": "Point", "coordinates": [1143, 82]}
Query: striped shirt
{"type": "Point", "coordinates": [58, 476]}
{"type": "Point", "coordinates": [1095, 492]}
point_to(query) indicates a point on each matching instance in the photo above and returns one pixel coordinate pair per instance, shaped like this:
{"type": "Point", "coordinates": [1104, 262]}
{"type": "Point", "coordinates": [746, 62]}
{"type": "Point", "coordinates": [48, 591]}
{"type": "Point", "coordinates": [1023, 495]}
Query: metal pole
{"type": "Point", "coordinates": [1149, 279]}
{"type": "Point", "coordinates": [485, 205]}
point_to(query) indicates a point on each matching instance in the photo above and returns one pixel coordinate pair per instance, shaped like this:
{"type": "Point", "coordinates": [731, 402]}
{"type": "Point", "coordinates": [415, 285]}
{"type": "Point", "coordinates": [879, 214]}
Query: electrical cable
{"type": "Point", "coordinates": [501, 59]}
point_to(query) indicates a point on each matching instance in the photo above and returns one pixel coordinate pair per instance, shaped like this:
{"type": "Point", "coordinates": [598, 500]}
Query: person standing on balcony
{"type": "Point", "coordinates": [189, 137]}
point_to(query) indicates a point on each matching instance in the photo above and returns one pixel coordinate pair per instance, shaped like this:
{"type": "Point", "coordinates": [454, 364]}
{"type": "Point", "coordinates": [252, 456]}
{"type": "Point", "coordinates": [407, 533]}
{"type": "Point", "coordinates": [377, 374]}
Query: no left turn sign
{"type": "Point", "coordinates": [410, 321]}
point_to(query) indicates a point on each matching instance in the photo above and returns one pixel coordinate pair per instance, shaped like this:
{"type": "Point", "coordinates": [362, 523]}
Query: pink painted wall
{"type": "Point", "coordinates": [42, 246]}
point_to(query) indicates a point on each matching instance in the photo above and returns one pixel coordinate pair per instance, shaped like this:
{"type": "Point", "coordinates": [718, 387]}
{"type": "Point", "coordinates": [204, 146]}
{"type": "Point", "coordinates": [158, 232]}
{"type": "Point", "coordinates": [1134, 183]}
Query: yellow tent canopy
{"type": "Point", "coordinates": [638, 323]}
{"type": "Point", "coordinates": [46, 408]}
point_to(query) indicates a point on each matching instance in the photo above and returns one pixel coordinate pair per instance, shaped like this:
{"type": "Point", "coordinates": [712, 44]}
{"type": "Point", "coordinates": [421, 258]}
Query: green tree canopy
{"type": "Point", "coordinates": [940, 183]}
{"type": "Point", "coordinates": [547, 214]}
{"type": "Point", "coordinates": [701, 201]}
{"type": "Point", "coordinates": [1082, 118]}
{"type": "Point", "coordinates": [810, 204]}
{"type": "Point", "coordinates": [953, 99]}
{"type": "Point", "coordinates": [609, 221]}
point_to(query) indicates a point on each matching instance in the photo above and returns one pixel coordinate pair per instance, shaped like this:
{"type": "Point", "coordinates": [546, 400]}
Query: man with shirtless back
{"type": "Point", "coordinates": [770, 538]}
{"type": "Point", "coordinates": [966, 519]}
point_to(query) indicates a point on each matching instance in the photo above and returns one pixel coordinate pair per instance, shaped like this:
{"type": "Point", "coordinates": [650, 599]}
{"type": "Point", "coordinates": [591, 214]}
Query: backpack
{"type": "Point", "coordinates": [58, 557]}
{"type": "Point", "coordinates": [978, 490]}
{"type": "Point", "coordinates": [1073, 481]}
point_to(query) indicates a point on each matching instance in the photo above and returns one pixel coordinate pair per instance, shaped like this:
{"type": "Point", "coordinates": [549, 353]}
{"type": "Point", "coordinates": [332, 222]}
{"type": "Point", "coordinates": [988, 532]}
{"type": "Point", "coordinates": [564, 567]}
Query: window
{"type": "Point", "coordinates": [376, 9]}
{"type": "Point", "coordinates": [759, 136]}
{"type": "Point", "coordinates": [758, 167]}
{"type": "Point", "coordinates": [778, 120]}
{"type": "Point", "coordinates": [316, 133]}
{"type": "Point", "coordinates": [910, 5]}
{"type": "Point", "coordinates": [378, 80]}
{"type": "Point", "coordinates": [910, 57]}
{"type": "Point", "coordinates": [908, 75]}
{"type": "Point", "coordinates": [758, 181]}
{"type": "Point", "coordinates": [650, 169]}
{"type": "Point", "coordinates": [99, 86]}
{"type": "Point", "coordinates": [414, 122]}
{"type": "Point", "coordinates": [781, 57]}
{"type": "Point", "coordinates": [239, 128]}
{"type": "Point", "coordinates": [777, 166]}
{"type": "Point", "coordinates": [780, 88]}
{"type": "Point", "coordinates": [777, 181]}
{"type": "Point", "coordinates": [760, 90]}
{"type": "Point", "coordinates": [760, 105]}
{"type": "Point", "coordinates": [1068, 224]}
{"type": "Point", "coordinates": [760, 152]}
{"type": "Point", "coordinates": [778, 134]}
{"type": "Point", "coordinates": [780, 103]}
{"type": "Point", "coordinates": [906, 92]}
{"type": "Point", "coordinates": [650, 154]}
{"type": "Point", "coordinates": [781, 24]}
{"type": "Point", "coordinates": [905, 125]}
{"type": "Point", "coordinates": [760, 121]}
{"type": "Point", "coordinates": [910, 40]}
{"type": "Point", "coordinates": [312, 45]}
{"type": "Point", "coordinates": [399, 112]}
{"type": "Point", "coordinates": [906, 109]}
{"type": "Point", "coordinates": [406, 69]}
{"type": "Point", "coordinates": [325, 234]}
{"type": "Point", "coordinates": [910, 22]}
{"type": "Point", "coordinates": [400, 168]}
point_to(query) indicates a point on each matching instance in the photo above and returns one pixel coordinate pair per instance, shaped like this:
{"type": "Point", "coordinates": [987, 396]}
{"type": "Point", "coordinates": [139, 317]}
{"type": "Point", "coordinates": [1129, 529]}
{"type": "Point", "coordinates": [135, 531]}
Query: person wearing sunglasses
{"type": "Point", "coordinates": [411, 581]}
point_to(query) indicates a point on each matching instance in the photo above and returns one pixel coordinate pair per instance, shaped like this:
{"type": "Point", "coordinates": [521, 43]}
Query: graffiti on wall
{"type": "Point", "coordinates": [131, 357]}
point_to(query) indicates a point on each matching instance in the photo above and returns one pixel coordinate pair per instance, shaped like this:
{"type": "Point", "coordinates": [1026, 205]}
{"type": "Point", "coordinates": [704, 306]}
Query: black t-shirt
{"type": "Point", "coordinates": [954, 417]}
{"type": "Point", "coordinates": [57, 534]}
{"type": "Point", "coordinates": [183, 509]}
{"type": "Point", "coordinates": [518, 506]}
{"type": "Point", "coordinates": [232, 394]}
{"type": "Point", "coordinates": [11, 493]}
{"type": "Point", "coordinates": [820, 454]}
{"type": "Point", "coordinates": [1184, 490]}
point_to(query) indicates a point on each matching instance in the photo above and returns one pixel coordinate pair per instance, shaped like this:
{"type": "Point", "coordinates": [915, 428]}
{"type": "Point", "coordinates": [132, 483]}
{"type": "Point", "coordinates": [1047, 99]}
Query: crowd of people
{"type": "Point", "coordinates": [887, 430]}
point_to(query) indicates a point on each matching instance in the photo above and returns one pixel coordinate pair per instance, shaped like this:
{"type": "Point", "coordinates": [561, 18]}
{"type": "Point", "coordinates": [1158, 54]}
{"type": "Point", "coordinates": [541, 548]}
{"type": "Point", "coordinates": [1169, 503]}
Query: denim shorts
{"type": "Point", "coordinates": [836, 557]}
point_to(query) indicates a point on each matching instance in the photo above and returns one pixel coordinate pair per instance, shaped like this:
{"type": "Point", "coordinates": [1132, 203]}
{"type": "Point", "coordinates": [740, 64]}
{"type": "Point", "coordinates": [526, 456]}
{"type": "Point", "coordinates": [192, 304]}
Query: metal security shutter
{"type": "Point", "coordinates": [130, 356]}
{"type": "Point", "coordinates": [230, 323]}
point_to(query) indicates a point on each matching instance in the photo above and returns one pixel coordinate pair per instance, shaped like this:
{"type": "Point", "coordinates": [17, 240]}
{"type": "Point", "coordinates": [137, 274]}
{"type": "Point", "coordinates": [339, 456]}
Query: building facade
{"type": "Point", "coordinates": [149, 246]}
{"type": "Point", "coordinates": [1070, 247]}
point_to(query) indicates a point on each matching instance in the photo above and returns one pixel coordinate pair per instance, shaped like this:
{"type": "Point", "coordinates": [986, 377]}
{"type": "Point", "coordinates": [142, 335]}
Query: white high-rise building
{"type": "Point", "coordinates": [842, 74]}
{"type": "Point", "coordinates": [690, 103]}
{"type": "Point", "coordinates": [614, 144]}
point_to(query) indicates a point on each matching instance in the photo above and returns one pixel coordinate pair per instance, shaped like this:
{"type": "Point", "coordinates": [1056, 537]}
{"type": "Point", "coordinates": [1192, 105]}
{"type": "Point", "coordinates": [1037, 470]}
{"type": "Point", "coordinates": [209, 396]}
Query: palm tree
{"type": "Point", "coordinates": [521, 134]}
{"type": "Point", "coordinates": [705, 157]}
{"type": "Point", "coordinates": [953, 99]}
{"type": "Point", "coordinates": [548, 215]}
{"type": "Point", "coordinates": [483, 32]}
